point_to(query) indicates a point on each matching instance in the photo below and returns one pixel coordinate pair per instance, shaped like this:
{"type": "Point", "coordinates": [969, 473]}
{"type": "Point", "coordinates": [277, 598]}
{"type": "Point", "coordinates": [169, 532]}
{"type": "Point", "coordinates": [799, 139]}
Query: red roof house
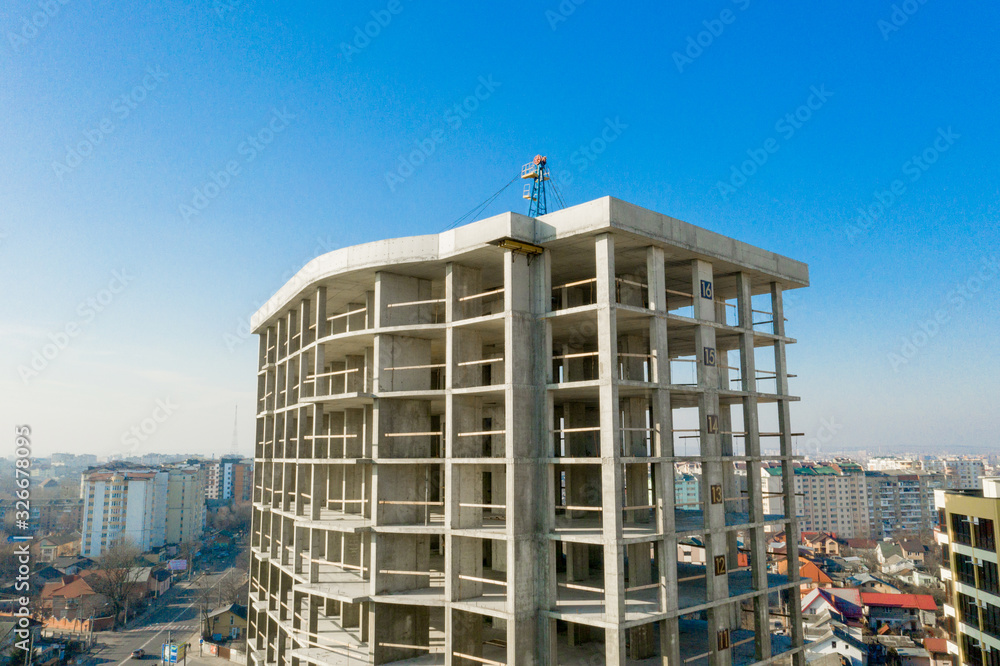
{"type": "Point", "coordinates": [903, 612]}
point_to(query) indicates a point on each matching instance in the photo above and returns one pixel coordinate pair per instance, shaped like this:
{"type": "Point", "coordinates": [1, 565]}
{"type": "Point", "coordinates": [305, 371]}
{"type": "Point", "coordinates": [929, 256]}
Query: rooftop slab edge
{"type": "Point", "coordinates": [589, 217]}
{"type": "Point", "coordinates": [629, 217]}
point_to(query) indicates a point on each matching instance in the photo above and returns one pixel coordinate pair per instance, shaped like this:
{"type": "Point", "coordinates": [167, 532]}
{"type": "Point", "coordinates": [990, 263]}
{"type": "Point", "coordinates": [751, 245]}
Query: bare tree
{"type": "Point", "coordinates": [241, 516]}
{"type": "Point", "coordinates": [8, 556]}
{"type": "Point", "coordinates": [116, 576]}
{"type": "Point", "coordinates": [234, 517]}
{"type": "Point", "coordinates": [232, 589]}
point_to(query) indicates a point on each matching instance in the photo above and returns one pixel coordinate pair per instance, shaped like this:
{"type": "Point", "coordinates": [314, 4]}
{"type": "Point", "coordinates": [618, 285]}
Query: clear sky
{"type": "Point", "coordinates": [164, 170]}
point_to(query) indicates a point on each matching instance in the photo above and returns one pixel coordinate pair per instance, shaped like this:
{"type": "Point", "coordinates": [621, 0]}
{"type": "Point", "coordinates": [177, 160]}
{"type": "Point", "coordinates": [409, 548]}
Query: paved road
{"type": "Point", "coordinates": [176, 613]}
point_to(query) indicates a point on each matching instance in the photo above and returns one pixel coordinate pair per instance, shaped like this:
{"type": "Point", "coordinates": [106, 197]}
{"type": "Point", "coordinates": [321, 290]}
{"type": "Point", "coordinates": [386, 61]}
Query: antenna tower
{"type": "Point", "coordinates": [534, 191]}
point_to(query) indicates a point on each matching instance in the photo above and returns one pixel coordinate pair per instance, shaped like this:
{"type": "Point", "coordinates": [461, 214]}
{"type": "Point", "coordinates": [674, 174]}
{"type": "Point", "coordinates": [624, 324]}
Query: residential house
{"type": "Point", "coordinates": [843, 602]}
{"type": "Point", "coordinates": [57, 545]}
{"type": "Point", "coordinates": [158, 583]}
{"type": "Point", "coordinates": [853, 564]}
{"type": "Point", "coordinates": [913, 656]}
{"type": "Point", "coordinates": [227, 622]}
{"type": "Point", "coordinates": [140, 577]}
{"type": "Point", "coordinates": [825, 634]}
{"type": "Point", "coordinates": [821, 542]}
{"type": "Point", "coordinates": [36, 581]}
{"type": "Point", "coordinates": [807, 570]}
{"type": "Point", "coordinates": [913, 550]}
{"type": "Point", "coordinates": [73, 564]}
{"type": "Point", "coordinates": [898, 566]}
{"type": "Point", "coordinates": [920, 579]}
{"type": "Point", "coordinates": [861, 545]}
{"type": "Point", "coordinates": [71, 597]}
{"type": "Point", "coordinates": [888, 549]}
{"type": "Point", "coordinates": [899, 612]}
{"type": "Point", "coordinates": [938, 650]}
{"type": "Point", "coordinates": [870, 583]}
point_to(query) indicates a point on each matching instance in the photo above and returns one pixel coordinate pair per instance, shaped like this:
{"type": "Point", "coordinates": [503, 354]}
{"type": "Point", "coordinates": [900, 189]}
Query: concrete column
{"type": "Point", "coordinates": [788, 473]}
{"type": "Point", "coordinates": [610, 437]}
{"type": "Point", "coordinates": [730, 484]}
{"type": "Point", "coordinates": [663, 447]}
{"type": "Point", "coordinates": [755, 482]}
{"type": "Point", "coordinates": [614, 646]}
{"type": "Point", "coordinates": [640, 565]}
{"type": "Point", "coordinates": [713, 476]}
{"type": "Point", "coordinates": [319, 314]}
{"type": "Point", "coordinates": [455, 558]}
{"type": "Point", "coordinates": [302, 431]}
{"type": "Point", "coordinates": [306, 332]}
{"type": "Point", "coordinates": [524, 431]}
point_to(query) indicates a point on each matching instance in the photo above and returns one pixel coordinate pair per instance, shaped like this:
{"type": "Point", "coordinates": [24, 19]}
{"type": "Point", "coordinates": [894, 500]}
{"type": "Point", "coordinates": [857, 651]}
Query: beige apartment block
{"type": "Point", "coordinates": [466, 446]}
{"type": "Point", "coordinates": [122, 505]}
{"type": "Point", "coordinates": [185, 503]}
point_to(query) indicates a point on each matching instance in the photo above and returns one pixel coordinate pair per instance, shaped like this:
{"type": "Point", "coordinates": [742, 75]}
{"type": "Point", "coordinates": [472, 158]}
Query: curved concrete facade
{"type": "Point", "coordinates": [466, 445]}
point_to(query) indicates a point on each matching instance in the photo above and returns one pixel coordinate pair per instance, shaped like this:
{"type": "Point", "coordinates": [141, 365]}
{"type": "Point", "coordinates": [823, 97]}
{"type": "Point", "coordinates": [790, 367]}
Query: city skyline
{"type": "Point", "coordinates": [228, 144]}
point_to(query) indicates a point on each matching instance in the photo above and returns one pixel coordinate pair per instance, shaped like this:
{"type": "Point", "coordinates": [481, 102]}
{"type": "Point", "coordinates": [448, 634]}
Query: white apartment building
{"type": "Point", "coordinates": [123, 504]}
{"type": "Point", "coordinates": [891, 463]}
{"type": "Point", "coordinates": [959, 473]}
{"type": "Point", "coordinates": [833, 498]}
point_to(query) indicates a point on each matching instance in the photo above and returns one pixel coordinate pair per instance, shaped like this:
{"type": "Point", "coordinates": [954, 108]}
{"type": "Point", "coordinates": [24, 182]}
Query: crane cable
{"type": "Point", "coordinates": [474, 213]}
{"type": "Point", "coordinates": [562, 204]}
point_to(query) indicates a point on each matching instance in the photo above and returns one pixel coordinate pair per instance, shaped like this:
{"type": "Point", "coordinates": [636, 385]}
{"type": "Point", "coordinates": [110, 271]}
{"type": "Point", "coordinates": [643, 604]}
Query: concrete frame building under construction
{"type": "Point", "coordinates": [466, 442]}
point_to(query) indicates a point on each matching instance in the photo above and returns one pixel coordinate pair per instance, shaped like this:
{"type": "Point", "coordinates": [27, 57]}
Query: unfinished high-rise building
{"type": "Point", "coordinates": [466, 445]}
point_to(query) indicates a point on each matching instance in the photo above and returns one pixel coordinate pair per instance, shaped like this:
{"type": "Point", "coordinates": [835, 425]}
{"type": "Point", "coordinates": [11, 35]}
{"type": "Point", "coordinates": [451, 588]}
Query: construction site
{"type": "Point", "coordinates": [466, 447]}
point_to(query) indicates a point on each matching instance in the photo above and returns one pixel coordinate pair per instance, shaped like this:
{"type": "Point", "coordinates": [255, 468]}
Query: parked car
{"type": "Point", "coordinates": [138, 654]}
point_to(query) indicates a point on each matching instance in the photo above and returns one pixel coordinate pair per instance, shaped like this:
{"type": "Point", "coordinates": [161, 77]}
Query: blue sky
{"type": "Point", "coordinates": [280, 127]}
